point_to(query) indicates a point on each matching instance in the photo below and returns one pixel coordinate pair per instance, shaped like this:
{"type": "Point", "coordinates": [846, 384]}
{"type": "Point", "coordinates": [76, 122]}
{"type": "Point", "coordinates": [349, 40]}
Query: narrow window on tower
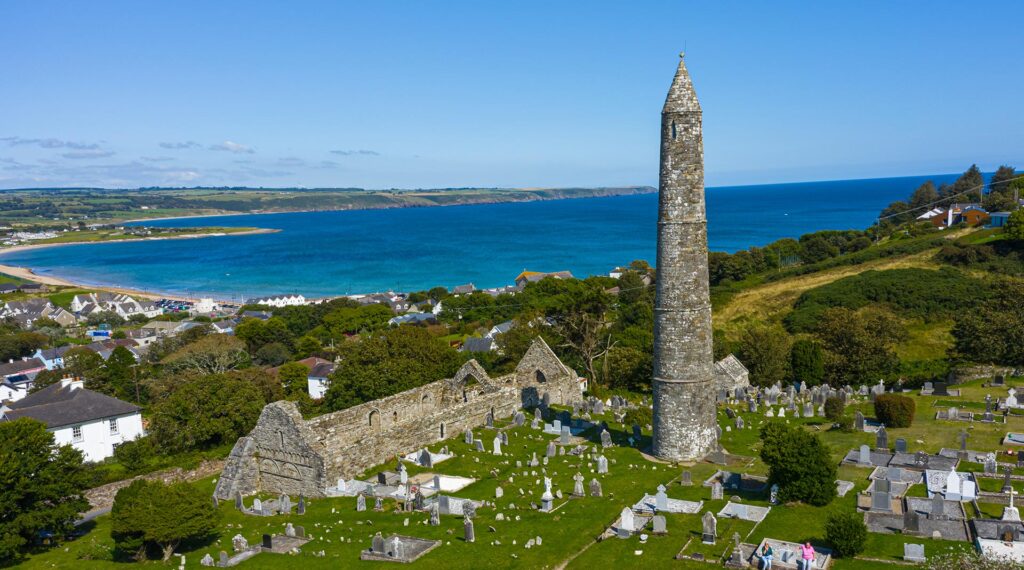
{"type": "Point", "coordinates": [673, 130]}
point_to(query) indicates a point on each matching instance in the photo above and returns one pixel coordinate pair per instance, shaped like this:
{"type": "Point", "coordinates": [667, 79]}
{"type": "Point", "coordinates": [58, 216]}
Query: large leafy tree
{"type": "Point", "coordinates": [211, 354]}
{"type": "Point", "coordinates": [387, 363]}
{"type": "Point", "coordinates": [764, 350]}
{"type": "Point", "coordinates": [799, 463]}
{"type": "Point", "coordinates": [859, 344]}
{"type": "Point", "coordinates": [154, 514]}
{"type": "Point", "coordinates": [293, 377]}
{"type": "Point", "coordinates": [994, 331]}
{"type": "Point", "coordinates": [1015, 226]}
{"type": "Point", "coordinates": [807, 362]}
{"type": "Point", "coordinates": [207, 411]}
{"type": "Point", "coordinates": [43, 485]}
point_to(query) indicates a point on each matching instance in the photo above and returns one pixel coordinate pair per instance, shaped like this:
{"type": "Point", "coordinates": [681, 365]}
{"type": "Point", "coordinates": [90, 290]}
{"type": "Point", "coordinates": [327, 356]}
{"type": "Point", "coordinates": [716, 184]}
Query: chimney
{"type": "Point", "coordinates": [74, 383]}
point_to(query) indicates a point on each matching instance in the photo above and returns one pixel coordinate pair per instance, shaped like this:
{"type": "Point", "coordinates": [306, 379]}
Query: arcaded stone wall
{"type": "Point", "coordinates": [286, 454]}
{"type": "Point", "coordinates": [684, 379]}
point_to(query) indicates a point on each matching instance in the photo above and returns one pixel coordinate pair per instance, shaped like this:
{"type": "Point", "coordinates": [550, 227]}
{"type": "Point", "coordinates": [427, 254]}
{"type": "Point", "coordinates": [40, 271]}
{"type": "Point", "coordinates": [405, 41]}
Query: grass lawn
{"type": "Point", "coordinates": [570, 532]}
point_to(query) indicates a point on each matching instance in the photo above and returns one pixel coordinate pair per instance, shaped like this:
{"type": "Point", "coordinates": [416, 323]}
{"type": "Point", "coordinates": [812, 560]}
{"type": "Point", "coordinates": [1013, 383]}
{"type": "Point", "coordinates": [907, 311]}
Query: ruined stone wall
{"type": "Point", "coordinates": [286, 454]}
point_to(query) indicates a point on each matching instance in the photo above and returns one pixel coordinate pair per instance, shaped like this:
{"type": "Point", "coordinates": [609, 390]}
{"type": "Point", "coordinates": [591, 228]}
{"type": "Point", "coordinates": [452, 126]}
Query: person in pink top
{"type": "Point", "coordinates": [807, 554]}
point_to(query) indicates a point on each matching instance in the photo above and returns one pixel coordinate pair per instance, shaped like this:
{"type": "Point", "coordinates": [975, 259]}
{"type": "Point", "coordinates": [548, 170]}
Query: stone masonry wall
{"type": "Point", "coordinates": [286, 454]}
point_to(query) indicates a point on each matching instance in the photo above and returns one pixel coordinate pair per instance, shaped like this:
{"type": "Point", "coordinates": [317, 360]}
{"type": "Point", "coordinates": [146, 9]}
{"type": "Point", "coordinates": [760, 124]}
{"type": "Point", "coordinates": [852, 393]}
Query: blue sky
{"type": "Point", "coordinates": [418, 94]}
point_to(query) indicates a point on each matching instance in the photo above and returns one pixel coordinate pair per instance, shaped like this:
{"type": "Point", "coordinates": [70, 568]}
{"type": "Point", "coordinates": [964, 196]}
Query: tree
{"type": "Point", "coordinates": [799, 463]}
{"type": "Point", "coordinates": [211, 354]}
{"type": "Point", "coordinates": [630, 369]}
{"type": "Point", "coordinates": [293, 377]}
{"type": "Point", "coordinates": [120, 374]}
{"type": "Point", "coordinates": [205, 412]}
{"type": "Point", "coordinates": [967, 188]}
{"type": "Point", "coordinates": [993, 332]}
{"type": "Point", "coordinates": [924, 195]}
{"type": "Point", "coordinates": [387, 363]}
{"type": "Point", "coordinates": [272, 354]}
{"type": "Point", "coordinates": [807, 362]}
{"type": "Point", "coordinates": [846, 532]}
{"type": "Point", "coordinates": [1014, 228]}
{"type": "Point", "coordinates": [765, 352]}
{"type": "Point", "coordinates": [45, 484]}
{"type": "Point", "coordinates": [834, 408]}
{"type": "Point", "coordinates": [153, 513]}
{"type": "Point", "coordinates": [1000, 195]}
{"type": "Point", "coordinates": [859, 344]}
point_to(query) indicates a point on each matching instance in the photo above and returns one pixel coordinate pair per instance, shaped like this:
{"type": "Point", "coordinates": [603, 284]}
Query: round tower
{"type": "Point", "coordinates": [684, 388]}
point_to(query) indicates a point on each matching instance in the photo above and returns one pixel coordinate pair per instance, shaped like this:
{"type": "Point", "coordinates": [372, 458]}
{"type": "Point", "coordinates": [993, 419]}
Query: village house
{"type": "Point", "coordinates": [318, 378]}
{"type": "Point", "coordinates": [90, 422]}
{"type": "Point", "coordinates": [464, 289]}
{"type": "Point", "coordinates": [969, 214]}
{"type": "Point", "coordinates": [278, 301]}
{"type": "Point", "coordinates": [53, 357]}
{"type": "Point", "coordinates": [533, 276]}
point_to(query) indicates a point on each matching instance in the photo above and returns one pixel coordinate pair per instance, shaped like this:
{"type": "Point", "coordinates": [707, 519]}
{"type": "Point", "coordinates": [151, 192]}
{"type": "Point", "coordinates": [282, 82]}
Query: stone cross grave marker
{"type": "Point", "coordinates": [469, 533]}
{"type": "Point", "coordinates": [577, 489]}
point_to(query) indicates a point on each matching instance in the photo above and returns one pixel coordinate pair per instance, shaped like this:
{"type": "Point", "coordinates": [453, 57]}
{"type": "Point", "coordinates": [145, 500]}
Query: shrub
{"type": "Point", "coordinates": [799, 463]}
{"type": "Point", "coordinates": [834, 408]}
{"type": "Point", "coordinates": [154, 514]}
{"type": "Point", "coordinates": [894, 410]}
{"type": "Point", "coordinates": [641, 416]}
{"type": "Point", "coordinates": [132, 455]}
{"type": "Point", "coordinates": [846, 532]}
{"type": "Point", "coordinates": [845, 423]}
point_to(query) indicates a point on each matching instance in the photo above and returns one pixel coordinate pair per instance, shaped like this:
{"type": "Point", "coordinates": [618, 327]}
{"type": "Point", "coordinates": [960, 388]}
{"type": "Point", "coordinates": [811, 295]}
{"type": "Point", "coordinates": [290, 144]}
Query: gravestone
{"type": "Point", "coordinates": [499, 493]}
{"type": "Point", "coordinates": [990, 463]}
{"type": "Point", "coordinates": [239, 543]}
{"type": "Point", "coordinates": [268, 542]}
{"type": "Point", "coordinates": [710, 528]}
{"type": "Point", "coordinates": [952, 486]}
{"type": "Point", "coordinates": [808, 410]}
{"type": "Point", "coordinates": [901, 445]}
{"type": "Point", "coordinates": [1020, 459]}
{"type": "Point", "coordinates": [939, 389]}
{"type": "Point", "coordinates": [913, 553]}
{"type": "Point", "coordinates": [289, 529]}
{"type": "Point", "coordinates": [882, 439]}
{"type": "Point", "coordinates": [257, 506]}
{"type": "Point", "coordinates": [661, 499]}
{"type": "Point", "coordinates": [478, 444]}
{"type": "Point", "coordinates": [206, 560]}
{"type": "Point", "coordinates": [497, 446]}
{"type": "Point", "coordinates": [999, 380]}
{"type": "Point", "coordinates": [504, 437]}
{"type": "Point", "coordinates": [565, 435]}
{"type": "Point", "coordinates": [1007, 487]}
{"type": "Point", "coordinates": [239, 504]}
{"type": "Point", "coordinates": [968, 491]}
{"type": "Point", "coordinates": [739, 422]}
{"type": "Point", "coordinates": [360, 503]}
{"type": "Point", "coordinates": [606, 438]}
{"type": "Point", "coordinates": [378, 504]}
{"type": "Point", "coordinates": [602, 464]}
{"type": "Point", "coordinates": [864, 458]}
{"type": "Point", "coordinates": [716, 491]}
{"type": "Point", "coordinates": [550, 452]}
{"type": "Point", "coordinates": [858, 421]}
{"type": "Point", "coordinates": [301, 508]}
{"type": "Point", "coordinates": [435, 514]}
{"type": "Point", "coordinates": [577, 489]}
{"type": "Point", "coordinates": [881, 501]}
{"type": "Point", "coordinates": [469, 436]}
{"type": "Point", "coordinates": [687, 479]}
{"type": "Point", "coordinates": [911, 521]}
{"type": "Point", "coordinates": [921, 459]}
{"type": "Point", "coordinates": [773, 496]}
{"type": "Point", "coordinates": [490, 420]}
{"type": "Point", "coordinates": [377, 543]}
{"type": "Point", "coordinates": [658, 524]}
{"type": "Point", "coordinates": [626, 520]}
{"type": "Point", "coordinates": [468, 532]}
{"type": "Point", "coordinates": [519, 419]}
{"type": "Point", "coordinates": [595, 488]}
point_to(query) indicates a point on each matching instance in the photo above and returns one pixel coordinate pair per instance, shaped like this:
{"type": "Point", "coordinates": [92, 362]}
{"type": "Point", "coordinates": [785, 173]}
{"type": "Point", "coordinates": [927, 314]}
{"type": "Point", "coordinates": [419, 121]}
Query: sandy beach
{"type": "Point", "coordinates": [29, 275]}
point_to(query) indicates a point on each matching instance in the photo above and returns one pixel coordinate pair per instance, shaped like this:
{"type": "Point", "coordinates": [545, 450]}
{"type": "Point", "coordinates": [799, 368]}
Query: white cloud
{"type": "Point", "coordinates": [86, 154]}
{"type": "Point", "coordinates": [362, 152]}
{"type": "Point", "coordinates": [180, 145]}
{"type": "Point", "coordinates": [231, 146]}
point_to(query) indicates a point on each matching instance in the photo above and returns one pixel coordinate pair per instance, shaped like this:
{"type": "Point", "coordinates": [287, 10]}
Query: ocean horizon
{"type": "Point", "coordinates": [330, 253]}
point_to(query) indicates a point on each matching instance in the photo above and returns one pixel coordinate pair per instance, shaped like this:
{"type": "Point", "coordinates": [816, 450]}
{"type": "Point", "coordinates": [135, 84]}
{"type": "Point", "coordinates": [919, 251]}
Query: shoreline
{"type": "Point", "coordinates": [28, 274]}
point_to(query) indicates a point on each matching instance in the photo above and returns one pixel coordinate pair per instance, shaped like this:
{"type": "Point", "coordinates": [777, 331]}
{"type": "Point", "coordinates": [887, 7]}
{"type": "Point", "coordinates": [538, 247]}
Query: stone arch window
{"type": "Point", "coordinates": [394, 416]}
{"type": "Point", "coordinates": [281, 433]}
{"type": "Point", "coordinates": [673, 130]}
{"type": "Point", "coordinates": [290, 471]}
{"type": "Point", "coordinates": [374, 420]}
{"type": "Point", "coordinates": [427, 402]}
{"type": "Point", "coordinates": [538, 376]}
{"type": "Point", "coordinates": [442, 430]}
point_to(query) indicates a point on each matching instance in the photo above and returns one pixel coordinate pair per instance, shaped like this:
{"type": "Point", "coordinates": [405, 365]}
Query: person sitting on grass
{"type": "Point", "coordinates": [766, 556]}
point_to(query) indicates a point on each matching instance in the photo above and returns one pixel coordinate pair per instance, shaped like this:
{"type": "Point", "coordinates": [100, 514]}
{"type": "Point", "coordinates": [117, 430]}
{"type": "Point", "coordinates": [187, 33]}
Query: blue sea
{"type": "Point", "coordinates": [335, 253]}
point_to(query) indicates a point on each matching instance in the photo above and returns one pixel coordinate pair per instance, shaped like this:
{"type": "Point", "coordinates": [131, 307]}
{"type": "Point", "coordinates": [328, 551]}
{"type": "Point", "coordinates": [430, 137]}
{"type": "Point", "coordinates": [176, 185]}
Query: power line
{"type": "Point", "coordinates": [941, 200]}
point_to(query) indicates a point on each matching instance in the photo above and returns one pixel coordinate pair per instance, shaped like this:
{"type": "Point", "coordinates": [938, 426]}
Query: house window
{"type": "Point", "coordinates": [113, 427]}
{"type": "Point", "coordinates": [76, 434]}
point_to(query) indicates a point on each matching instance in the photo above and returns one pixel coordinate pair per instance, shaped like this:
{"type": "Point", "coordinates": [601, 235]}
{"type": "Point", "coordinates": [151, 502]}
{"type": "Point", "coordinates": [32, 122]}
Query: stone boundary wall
{"type": "Point", "coordinates": [102, 497]}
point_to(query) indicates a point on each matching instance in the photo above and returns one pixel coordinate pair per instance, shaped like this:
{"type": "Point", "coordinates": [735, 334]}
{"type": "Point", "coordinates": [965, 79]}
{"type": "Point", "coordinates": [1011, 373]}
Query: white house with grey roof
{"type": "Point", "coordinates": [91, 422]}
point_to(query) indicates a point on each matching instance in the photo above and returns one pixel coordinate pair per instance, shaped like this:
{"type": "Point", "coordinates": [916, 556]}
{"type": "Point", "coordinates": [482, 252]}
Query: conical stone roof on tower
{"type": "Point", "coordinates": [684, 390]}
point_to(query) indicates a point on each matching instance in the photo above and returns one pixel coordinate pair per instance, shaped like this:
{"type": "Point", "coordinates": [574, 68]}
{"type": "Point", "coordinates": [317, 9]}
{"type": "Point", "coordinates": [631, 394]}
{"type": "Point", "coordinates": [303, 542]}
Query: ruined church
{"type": "Point", "coordinates": [286, 454]}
